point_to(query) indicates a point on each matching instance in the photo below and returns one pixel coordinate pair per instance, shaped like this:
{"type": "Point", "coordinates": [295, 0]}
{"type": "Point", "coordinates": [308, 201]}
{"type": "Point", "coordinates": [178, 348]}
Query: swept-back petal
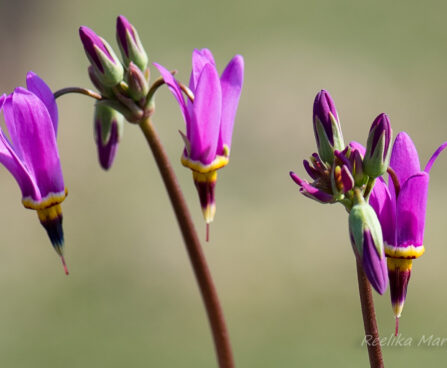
{"type": "Point", "coordinates": [385, 209]}
{"type": "Point", "coordinates": [199, 59]}
{"type": "Point", "coordinates": [231, 82]}
{"type": "Point", "coordinates": [174, 87]}
{"type": "Point", "coordinates": [12, 163]}
{"type": "Point", "coordinates": [33, 135]}
{"type": "Point", "coordinates": [410, 210]}
{"type": "Point", "coordinates": [36, 85]}
{"type": "Point", "coordinates": [205, 122]}
{"type": "Point", "coordinates": [434, 157]}
{"type": "Point", "coordinates": [11, 125]}
{"type": "Point", "coordinates": [404, 160]}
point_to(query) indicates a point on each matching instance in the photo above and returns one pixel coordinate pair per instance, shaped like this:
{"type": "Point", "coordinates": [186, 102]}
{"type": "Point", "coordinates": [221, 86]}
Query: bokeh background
{"type": "Point", "coordinates": [282, 263]}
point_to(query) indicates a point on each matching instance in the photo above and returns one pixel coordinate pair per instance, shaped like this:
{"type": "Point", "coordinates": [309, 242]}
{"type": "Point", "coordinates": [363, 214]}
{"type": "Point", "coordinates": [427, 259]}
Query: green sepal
{"type": "Point", "coordinates": [113, 70]}
{"type": "Point", "coordinates": [106, 117]}
{"type": "Point", "coordinates": [374, 164]}
{"type": "Point", "coordinates": [136, 51]}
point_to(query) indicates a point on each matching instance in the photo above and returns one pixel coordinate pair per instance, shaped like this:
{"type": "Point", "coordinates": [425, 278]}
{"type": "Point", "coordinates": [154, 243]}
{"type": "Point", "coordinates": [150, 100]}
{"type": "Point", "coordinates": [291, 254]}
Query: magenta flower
{"type": "Point", "coordinates": [401, 207]}
{"type": "Point", "coordinates": [31, 154]}
{"type": "Point", "coordinates": [209, 118]}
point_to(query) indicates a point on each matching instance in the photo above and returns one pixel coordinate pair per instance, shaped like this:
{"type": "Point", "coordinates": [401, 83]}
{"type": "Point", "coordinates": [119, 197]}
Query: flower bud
{"type": "Point", "coordinates": [108, 130]}
{"type": "Point", "coordinates": [105, 91]}
{"type": "Point", "coordinates": [138, 86]}
{"type": "Point", "coordinates": [107, 66]}
{"type": "Point", "coordinates": [129, 43]}
{"type": "Point", "coordinates": [377, 156]}
{"type": "Point", "coordinates": [327, 127]}
{"type": "Point", "coordinates": [357, 168]}
{"type": "Point", "coordinates": [366, 239]}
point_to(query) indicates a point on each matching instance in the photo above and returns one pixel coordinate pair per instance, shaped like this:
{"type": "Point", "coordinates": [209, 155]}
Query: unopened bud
{"type": "Point", "coordinates": [108, 129]}
{"type": "Point", "coordinates": [367, 242]}
{"type": "Point", "coordinates": [138, 86]}
{"type": "Point", "coordinates": [377, 156]}
{"type": "Point", "coordinates": [327, 127]}
{"type": "Point", "coordinates": [129, 43]}
{"type": "Point", "coordinates": [107, 66]}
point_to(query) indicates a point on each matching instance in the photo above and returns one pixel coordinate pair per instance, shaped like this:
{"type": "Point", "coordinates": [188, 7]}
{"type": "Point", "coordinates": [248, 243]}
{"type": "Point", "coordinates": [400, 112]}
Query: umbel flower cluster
{"type": "Point", "coordinates": [125, 94]}
{"type": "Point", "coordinates": [386, 220]}
{"type": "Point", "coordinates": [209, 110]}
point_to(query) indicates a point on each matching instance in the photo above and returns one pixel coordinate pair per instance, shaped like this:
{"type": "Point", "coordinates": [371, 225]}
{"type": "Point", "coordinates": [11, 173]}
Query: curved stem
{"type": "Point", "coordinates": [372, 339]}
{"type": "Point", "coordinates": [83, 91]}
{"type": "Point", "coordinates": [395, 180]}
{"type": "Point", "coordinates": [192, 243]}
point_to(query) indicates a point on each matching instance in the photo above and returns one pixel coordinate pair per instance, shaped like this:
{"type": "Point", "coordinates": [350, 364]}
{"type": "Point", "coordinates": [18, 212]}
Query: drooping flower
{"type": "Point", "coordinates": [401, 207]}
{"type": "Point", "coordinates": [209, 118]}
{"type": "Point", "coordinates": [31, 153]}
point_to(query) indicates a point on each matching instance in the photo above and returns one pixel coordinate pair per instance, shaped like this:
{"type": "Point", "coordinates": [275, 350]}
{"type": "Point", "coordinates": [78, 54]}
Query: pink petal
{"type": "Point", "coordinates": [434, 157]}
{"type": "Point", "coordinates": [205, 122]}
{"type": "Point", "coordinates": [411, 207]}
{"type": "Point", "coordinates": [385, 209]}
{"type": "Point", "coordinates": [231, 82]}
{"type": "Point", "coordinates": [36, 85]}
{"type": "Point", "coordinates": [32, 134]}
{"type": "Point", "coordinates": [12, 163]}
{"type": "Point", "coordinates": [200, 58]}
{"type": "Point", "coordinates": [309, 191]}
{"type": "Point", "coordinates": [174, 88]}
{"type": "Point", "coordinates": [404, 160]}
{"type": "Point", "coordinates": [357, 147]}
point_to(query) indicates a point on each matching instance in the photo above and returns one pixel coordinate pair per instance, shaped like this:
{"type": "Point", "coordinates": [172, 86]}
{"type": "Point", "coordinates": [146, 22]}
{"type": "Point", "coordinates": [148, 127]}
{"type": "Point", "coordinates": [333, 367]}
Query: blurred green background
{"type": "Point", "coordinates": [282, 263]}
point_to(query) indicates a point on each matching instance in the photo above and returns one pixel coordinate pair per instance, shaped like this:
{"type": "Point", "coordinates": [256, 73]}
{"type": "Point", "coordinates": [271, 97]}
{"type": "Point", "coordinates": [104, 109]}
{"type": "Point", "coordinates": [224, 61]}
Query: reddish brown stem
{"type": "Point", "coordinates": [193, 247]}
{"type": "Point", "coordinates": [83, 91]}
{"type": "Point", "coordinates": [369, 320]}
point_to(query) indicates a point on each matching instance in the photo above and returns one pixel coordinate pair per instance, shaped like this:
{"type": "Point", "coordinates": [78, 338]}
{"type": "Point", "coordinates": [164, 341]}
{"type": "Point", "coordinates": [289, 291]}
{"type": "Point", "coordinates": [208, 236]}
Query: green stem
{"type": "Point", "coordinates": [369, 188]}
{"type": "Point", "coordinates": [193, 247]}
